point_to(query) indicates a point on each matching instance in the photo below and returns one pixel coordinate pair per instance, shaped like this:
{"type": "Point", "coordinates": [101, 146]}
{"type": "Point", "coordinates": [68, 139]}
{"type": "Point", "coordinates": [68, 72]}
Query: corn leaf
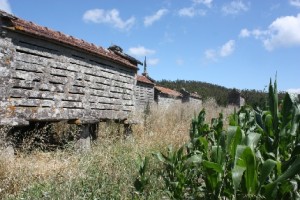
{"type": "Point", "coordinates": [269, 125]}
{"type": "Point", "coordinates": [234, 139]}
{"type": "Point", "coordinates": [217, 154]}
{"type": "Point", "coordinates": [237, 174]}
{"type": "Point", "coordinates": [271, 189]}
{"type": "Point", "coordinates": [287, 111]}
{"type": "Point", "coordinates": [246, 158]}
{"type": "Point", "coordinates": [160, 157]}
{"type": "Point", "coordinates": [252, 140]}
{"type": "Point", "coordinates": [211, 165]}
{"type": "Point", "coordinates": [194, 159]}
{"type": "Point", "coordinates": [266, 170]}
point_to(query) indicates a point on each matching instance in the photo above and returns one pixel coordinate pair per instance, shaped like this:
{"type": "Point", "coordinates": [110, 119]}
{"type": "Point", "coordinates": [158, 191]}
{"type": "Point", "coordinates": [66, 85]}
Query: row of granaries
{"type": "Point", "coordinates": [48, 76]}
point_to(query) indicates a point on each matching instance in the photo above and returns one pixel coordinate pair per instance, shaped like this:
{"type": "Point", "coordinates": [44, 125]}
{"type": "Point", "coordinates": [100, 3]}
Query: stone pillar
{"type": "Point", "coordinates": [6, 148]}
{"type": "Point", "coordinates": [127, 130]}
{"type": "Point", "coordinates": [88, 132]}
{"type": "Point", "coordinates": [84, 141]}
{"type": "Point", "coordinates": [7, 152]}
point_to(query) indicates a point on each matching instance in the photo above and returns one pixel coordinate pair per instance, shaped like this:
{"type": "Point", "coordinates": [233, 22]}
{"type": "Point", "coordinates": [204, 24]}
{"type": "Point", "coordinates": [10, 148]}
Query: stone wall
{"type": "Point", "coordinates": [195, 102]}
{"type": "Point", "coordinates": [144, 94]}
{"type": "Point", "coordinates": [165, 101]}
{"type": "Point", "coordinates": [45, 81]}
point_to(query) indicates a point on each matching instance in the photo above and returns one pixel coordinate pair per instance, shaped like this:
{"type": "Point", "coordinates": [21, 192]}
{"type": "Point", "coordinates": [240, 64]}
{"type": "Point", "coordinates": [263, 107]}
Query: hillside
{"type": "Point", "coordinates": [219, 93]}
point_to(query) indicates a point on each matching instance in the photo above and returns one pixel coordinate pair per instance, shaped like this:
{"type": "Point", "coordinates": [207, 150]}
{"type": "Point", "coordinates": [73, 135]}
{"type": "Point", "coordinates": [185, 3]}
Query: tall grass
{"type": "Point", "coordinates": [107, 171]}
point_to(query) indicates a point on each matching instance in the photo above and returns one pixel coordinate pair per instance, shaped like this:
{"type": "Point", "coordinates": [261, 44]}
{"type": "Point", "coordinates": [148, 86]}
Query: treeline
{"type": "Point", "coordinates": [255, 98]}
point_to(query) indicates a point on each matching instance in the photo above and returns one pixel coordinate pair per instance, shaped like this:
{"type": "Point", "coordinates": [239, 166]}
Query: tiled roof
{"type": "Point", "coordinates": [195, 95]}
{"type": "Point", "coordinates": [23, 26]}
{"type": "Point", "coordinates": [144, 79]}
{"type": "Point", "coordinates": [168, 91]}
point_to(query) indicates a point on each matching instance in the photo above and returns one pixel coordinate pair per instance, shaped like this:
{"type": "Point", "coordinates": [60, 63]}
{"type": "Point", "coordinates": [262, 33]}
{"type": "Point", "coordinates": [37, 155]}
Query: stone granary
{"type": "Point", "coordinates": [144, 89]}
{"type": "Point", "coordinates": [235, 98]}
{"type": "Point", "coordinates": [144, 92]}
{"type": "Point", "coordinates": [46, 75]}
{"type": "Point", "coordinates": [193, 98]}
{"type": "Point", "coordinates": [165, 97]}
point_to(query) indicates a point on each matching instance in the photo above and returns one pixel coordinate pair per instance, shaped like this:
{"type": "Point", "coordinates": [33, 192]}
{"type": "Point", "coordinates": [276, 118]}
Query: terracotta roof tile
{"type": "Point", "coordinates": [195, 95]}
{"type": "Point", "coordinates": [144, 79]}
{"type": "Point", "coordinates": [46, 33]}
{"type": "Point", "coordinates": [168, 91]}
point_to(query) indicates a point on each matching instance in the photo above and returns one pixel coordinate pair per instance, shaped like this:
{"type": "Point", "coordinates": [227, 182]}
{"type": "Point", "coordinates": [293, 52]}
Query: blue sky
{"type": "Point", "coordinates": [233, 43]}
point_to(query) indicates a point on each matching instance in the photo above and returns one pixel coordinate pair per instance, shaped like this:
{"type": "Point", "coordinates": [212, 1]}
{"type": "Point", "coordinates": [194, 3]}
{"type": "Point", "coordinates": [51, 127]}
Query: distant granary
{"type": "Point", "coordinates": [192, 98]}
{"type": "Point", "coordinates": [144, 92]}
{"type": "Point", "coordinates": [235, 98]}
{"type": "Point", "coordinates": [46, 75]}
{"type": "Point", "coordinates": [166, 96]}
{"type": "Point", "coordinates": [144, 89]}
{"type": "Point", "coordinates": [147, 92]}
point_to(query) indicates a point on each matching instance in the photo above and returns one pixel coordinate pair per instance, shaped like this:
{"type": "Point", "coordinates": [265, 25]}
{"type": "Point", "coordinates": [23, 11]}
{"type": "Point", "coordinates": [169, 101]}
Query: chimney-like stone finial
{"type": "Point", "coordinates": [145, 73]}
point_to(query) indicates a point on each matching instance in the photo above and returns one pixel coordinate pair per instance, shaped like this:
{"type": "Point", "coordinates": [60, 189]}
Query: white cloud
{"type": "Point", "coordinates": [234, 7]}
{"type": "Point", "coordinates": [207, 3]}
{"type": "Point", "coordinates": [5, 6]}
{"type": "Point", "coordinates": [259, 34]}
{"type": "Point", "coordinates": [152, 61]}
{"type": "Point", "coordinates": [294, 90]}
{"type": "Point", "coordinates": [149, 20]}
{"type": "Point", "coordinates": [140, 51]}
{"type": "Point", "coordinates": [282, 32]}
{"type": "Point", "coordinates": [111, 17]}
{"type": "Point", "coordinates": [191, 12]}
{"type": "Point", "coordinates": [256, 33]}
{"type": "Point", "coordinates": [210, 54]}
{"type": "Point", "coordinates": [225, 50]}
{"type": "Point", "coordinates": [244, 33]}
{"type": "Point", "coordinates": [188, 12]}
{"type": "Point", "coordinates": [295, 3]}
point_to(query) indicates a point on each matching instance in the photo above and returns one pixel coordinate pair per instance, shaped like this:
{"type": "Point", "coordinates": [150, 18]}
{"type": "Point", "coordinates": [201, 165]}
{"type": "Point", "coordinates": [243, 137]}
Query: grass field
{"type": "Point", "coordinates": [109, 170]}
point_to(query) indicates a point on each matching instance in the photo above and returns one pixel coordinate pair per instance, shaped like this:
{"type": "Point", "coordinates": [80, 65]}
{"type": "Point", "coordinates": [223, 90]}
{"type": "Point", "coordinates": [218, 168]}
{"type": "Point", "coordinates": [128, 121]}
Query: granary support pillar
{"type": "Point", "coordinates": [6, 146]}
{"type": "Point", "coordinates": [87, 133]}
{"type": "Point", "coordinates": [84, 141]}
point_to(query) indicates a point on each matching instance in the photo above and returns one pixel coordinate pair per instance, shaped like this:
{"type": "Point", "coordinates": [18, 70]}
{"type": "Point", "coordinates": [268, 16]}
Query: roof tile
{"type": "Point", "coordinates": [168, 91]}
{"type": "Point", "coordinates": [56, 36]}
{"type": "Point", "coordinates": [195, 95]}
{"type": "Point", "coordinates": [144, 79]}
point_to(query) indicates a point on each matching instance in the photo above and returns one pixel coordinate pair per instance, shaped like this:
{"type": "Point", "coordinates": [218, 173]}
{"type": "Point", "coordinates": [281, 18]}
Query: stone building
{"type": "Point", "coordinates": [235, 98]}
{"type": "Point", "coordinates": [165, 96]}
{"type": "Point", "coordinates": [144, 92]}
{"type": "Point", "coordinates": [188, 97]}
{"type": "Point", "coordinates": [46, 75]}
{"type": "Point", "coordinates": [144, 89]}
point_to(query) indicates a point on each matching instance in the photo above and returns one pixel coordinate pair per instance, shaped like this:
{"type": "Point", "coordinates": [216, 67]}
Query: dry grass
{"type": "Point", "coordinates": [108, 171]}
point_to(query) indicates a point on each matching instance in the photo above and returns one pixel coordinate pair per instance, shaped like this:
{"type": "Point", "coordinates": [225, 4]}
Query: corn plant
{"type": "Point", "coordinates": [258, 156]}
{"type": "Point", "coordinates": [178, 173]}
{"type": "Point", "coordinates": [142, 180]}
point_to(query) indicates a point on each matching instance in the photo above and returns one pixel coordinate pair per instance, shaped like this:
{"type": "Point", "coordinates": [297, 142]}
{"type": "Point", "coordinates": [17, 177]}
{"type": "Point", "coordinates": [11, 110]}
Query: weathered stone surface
{"type": "Point", "coordinates": [83, 144]}
{"type": "Point", "coordinates": [164, 101]}
{"type": "Point", "coordinates": [144, 94]}
{"type": "Point", "coordinates": [46, 81]}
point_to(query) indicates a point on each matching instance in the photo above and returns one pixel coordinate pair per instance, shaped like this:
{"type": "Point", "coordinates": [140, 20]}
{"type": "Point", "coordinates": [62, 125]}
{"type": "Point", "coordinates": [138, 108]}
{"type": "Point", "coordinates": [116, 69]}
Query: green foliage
{"type": "Point", "coordinates": [206, 90]}
{"type": "Point", "coordinates": [258, 156]}
{"type": "Point", "coordinates": [142, 180]}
